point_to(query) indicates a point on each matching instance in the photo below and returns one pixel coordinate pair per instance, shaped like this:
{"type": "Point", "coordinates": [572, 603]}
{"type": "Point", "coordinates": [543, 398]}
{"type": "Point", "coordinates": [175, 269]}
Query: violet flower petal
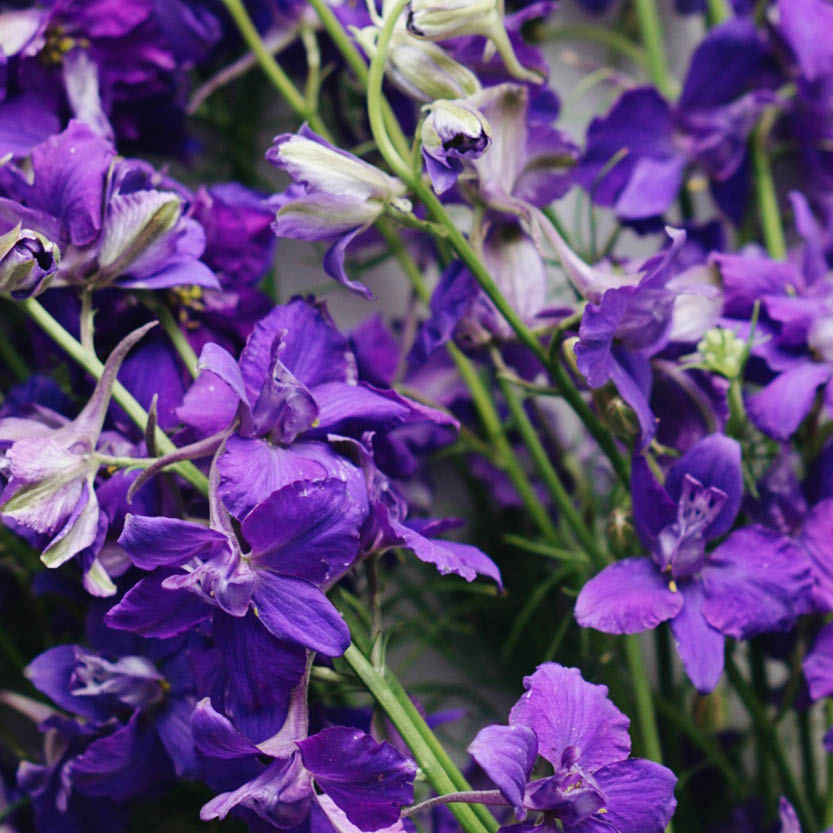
{"type": "Point", "coordinates": [167, 542]}
{"type": "Point", "coordinates": [699, 645]}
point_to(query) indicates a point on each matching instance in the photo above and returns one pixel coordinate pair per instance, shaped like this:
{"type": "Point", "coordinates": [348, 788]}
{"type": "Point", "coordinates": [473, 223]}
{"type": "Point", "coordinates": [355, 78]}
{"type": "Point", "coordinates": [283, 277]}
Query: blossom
{"type": "Point", "coordinates": [335, 196]}
{"type": "Point", "coordinates": [755, 581]}
{"type": "Point", "coordinates": [574, 726]}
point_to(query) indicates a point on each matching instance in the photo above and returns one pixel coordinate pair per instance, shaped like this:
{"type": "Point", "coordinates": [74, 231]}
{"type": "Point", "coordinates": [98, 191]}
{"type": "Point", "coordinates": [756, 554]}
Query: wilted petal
{"type": "Point", "coordinates": [627, 597]}
{"type": "Point", "coordinates": [507, 754]}
{"type": "Point", "coordinates": [369, 781]}
{"type": "Point", "coordinates": [574, 720]}
{"type": "Point", "coordinates": [756, 581]}
{"type": "Point", "coordinates": [699, 645]}
{"type": "Point", "coordinates": [297, 611]}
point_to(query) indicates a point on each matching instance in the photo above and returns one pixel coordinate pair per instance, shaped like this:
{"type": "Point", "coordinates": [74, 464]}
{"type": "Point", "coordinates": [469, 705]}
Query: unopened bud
{"type": "Point", "coordinates": [721, 351]}
{"type": "Point", "coordinates": [28, 260]}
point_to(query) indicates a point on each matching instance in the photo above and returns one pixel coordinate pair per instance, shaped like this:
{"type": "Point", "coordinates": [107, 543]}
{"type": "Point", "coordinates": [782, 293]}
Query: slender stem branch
{"type": "Point", "coordinates": [494, 797]}
{"type": "Point", "coordinates": [771, 226]}
{"type": "Point", "coordinates": [650, 27]}
{"type": "Point", "coordinates": [440, 771]}
{"type": "Point", "coordinates": [172, 330]}
{"type": "Point", "coordinates": [644, 700]}
{"type": "Point", "coordinates": [772, 745]}
{"type": "Point", "coordinates": [95, 368]}
{"type": "Point", "coordinates": [270, 66]}
{"type": "Point", "coordinates": [718, 12]}
{"type": "Point", "coordinates": [549, 475]}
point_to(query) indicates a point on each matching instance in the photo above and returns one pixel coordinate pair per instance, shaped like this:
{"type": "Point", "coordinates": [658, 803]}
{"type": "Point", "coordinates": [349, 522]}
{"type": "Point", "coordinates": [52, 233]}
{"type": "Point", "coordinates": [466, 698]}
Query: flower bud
{"type": "Point", "coordinates": [453, 131]}
{"type": "Point", "coordinates": [442, 19]}
{"type": "Point", "coordinates": [721, 351]}
{"type": "Point", "coordinates": [27, 262]}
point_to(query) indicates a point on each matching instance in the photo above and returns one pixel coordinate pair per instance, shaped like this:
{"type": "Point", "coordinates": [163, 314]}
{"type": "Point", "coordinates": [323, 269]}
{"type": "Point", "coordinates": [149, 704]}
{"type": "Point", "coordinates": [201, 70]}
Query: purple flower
{"type": "Point", "coordinates": [51, 465]}
{"type": "Point", "coordinates": [595, 786]}
{"type": "Point", "coordinates": [755, 581]}
{"type": "Point", "coordinates": [335, 197]}
{"type": "Point", "coordinates": [28, 262]}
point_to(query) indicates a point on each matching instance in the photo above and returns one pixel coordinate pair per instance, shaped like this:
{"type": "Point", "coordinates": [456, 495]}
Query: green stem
{"type": "Point", "coordinates": [439, 769]}
{"type": "Point", "coordinates": [615, 41]}
{"type": "Point", "coordinates": [270, 66]}
{"type": "Point", "coordinates": [650, 28]}
{"type": "Point", "coordinates": [770, 743]}
{"type": "Point", "coordinates": [808, 756]}
{"type": "Point", "coordinates": [172, 330]}
{"type": "Point", "coordinates": [770, 217]}
{"type": "Point", "coordinates": [89, 361]}
{"type": "Point", "coordinates": [644, 700]}
{"type": "Point", "coordinates": [549, 475]}
{"type": "Point", "coordinates": [718, 12]}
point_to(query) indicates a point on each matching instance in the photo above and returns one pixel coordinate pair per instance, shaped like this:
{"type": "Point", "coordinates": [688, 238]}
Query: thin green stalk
{"type": "Point", "coordinates": [770, 217]}
{"type": "Point", "coordinates": [613, 40]}
{"type": "Point", "coordinates": [808, 756]}
{"type": "Point", "coordinates": [549, 475]}
{"type": "Point", "coordinates": [89, 361]}
{"type": "Point", "coordinates": [718, 12]}
{"type": "Point", "coordinates": [172, 330]}
{"type": "Point", "coordinates": [650, 28]}
{"type": "Point", "coordinates": [771, 745]}
{"type": "Point", "coordinates": [270, 66]}
{"type": "Point", "coordinates": [644, 699]}
{"type": "Point", "coordinates": [12, 359]}
{"type": "Point", "coordinates": [439, 769]}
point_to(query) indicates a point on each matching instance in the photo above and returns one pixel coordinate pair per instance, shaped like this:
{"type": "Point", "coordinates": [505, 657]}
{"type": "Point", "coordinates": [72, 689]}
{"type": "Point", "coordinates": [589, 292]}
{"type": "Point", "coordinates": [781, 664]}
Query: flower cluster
{"type": "Point", "coordinates": [234, 589]}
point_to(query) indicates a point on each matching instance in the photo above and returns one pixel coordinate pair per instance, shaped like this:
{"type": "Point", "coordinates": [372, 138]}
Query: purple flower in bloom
{"type": "Point", "coordinates": [335, 197]}
{"type": "Point", "coordinates": [755, 581]}
{"type": "Point", "coordinates": [595, 787]}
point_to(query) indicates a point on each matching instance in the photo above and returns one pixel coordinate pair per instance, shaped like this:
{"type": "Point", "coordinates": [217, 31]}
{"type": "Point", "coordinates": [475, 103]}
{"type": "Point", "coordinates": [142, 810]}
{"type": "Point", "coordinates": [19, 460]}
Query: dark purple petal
{"type": "Point", "coordinates": [257, 676]}
{"type": "Point", "coordinates": [376, 351]}
{"type": "Point", "coordinates": [215, 735]}
{"type": "Point", "coordinates": [309, 529]}
{"type": "Point", "coordinates": [327, 817]}
{"type": "Point", "coordinates": [574, 720]}
{"type": "Point", "coordinates": [221, 363]}
{"type": "Point", "coordinates": [151, 610]}
{"type": "Point", "coordinates": [334, 263]}
{"type": "Point", "coordinates": [507, 754]}
{"type": "Point", "coordinates": [209, 405]}
{"type": "Point", "coordinates": [800, 22]}
{"type": "Point", "coordinates": [297, 611]}
{"type": "Point", "coordinates": [699, 645]}
{"type": "Point", "coordinates": [173, 726]}
{"type": "Point", "coordinates": [817, 540]}
{"type": "Point", "coordinates": [51, 672]}
{"type": "Point", "coordinates": [639, 798]}
{"type": "Point", "coordinates": [369, 781]}
{"type": "Point", "coordinates": [627, 597]}
{"type": "Point", "coordinates": [715, 462]}
{"type": "Point", "coordinates": [119, 765]}
{"type": "Point", "coordinates": [631, 373]}
{"type": "Point", "coordinates": [167, 542]}
{"type": "Point", "coordinates": [756, 581]}
{"type": "Point", "coordinates": [818, 665]}
{"type": "Point", "coordinates": [781, 406]}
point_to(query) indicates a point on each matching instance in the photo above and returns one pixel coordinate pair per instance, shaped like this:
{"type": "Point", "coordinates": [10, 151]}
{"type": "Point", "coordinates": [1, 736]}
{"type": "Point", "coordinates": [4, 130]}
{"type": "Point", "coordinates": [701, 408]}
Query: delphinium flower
{"type": "Point", "coordinates": [113, 221]}
{"type": "Point", "coordinates": [50, 464]}
{"type": "Point", "coordinates": [594, 786]}
{"type": "Point", "coordinates": [754, 581]}
{"type": "Point", "coordinates": [336, 196]}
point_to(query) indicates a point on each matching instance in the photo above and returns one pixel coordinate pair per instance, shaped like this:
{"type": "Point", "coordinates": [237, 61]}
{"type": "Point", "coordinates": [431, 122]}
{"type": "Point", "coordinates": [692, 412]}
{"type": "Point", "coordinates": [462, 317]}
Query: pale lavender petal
{"type": "Point", "coordinates": [507, 754]}
{"type": "Point", "coordinates": [756, 581]}
{"type": "Point", "coordinates": [574, 720]}
{"type": "Point", "coordinates": [699, 645]}
{"type": "Point", "coordinates": [627, 597]}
